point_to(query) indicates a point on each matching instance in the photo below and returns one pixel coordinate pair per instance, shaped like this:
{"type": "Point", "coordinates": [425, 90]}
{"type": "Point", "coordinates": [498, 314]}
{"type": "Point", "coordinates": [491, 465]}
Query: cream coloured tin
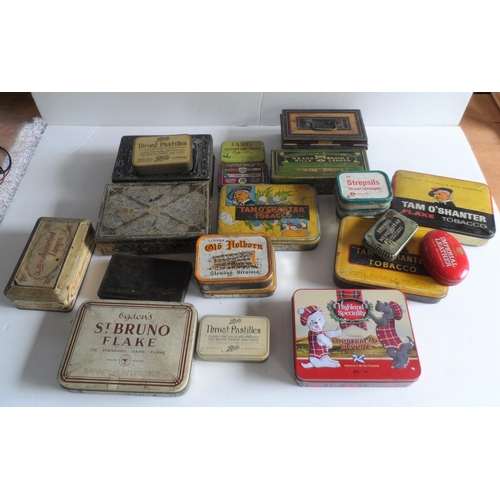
{"type": "Point", "coordinates": [50, 271]}
{"type": "Point", "coordinates": [233, 338]}
{"type": "Point", "coordinates": [232, 152]}
{"type": "Point", "coordinates": [363, 191]}
{"type": "Point", "coordinates": [130, 347]}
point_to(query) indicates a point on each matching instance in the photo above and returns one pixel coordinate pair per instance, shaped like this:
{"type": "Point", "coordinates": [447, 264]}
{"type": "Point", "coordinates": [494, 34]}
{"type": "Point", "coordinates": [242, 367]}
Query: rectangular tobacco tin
{"type": "Point", "coordinates": [233, 338]}
{"type": "Point", "coordinates": [232, 152]}
{"type": "Point", "coordinates": [153, 217]}
{"type": "Point", "coordinates": [353, 338]}
{"type": "Point", "coordinates": [315, 167]}
{"type": "Point", "coordinates": [50, 271]}
{"type": "Point", "coordinates": [363, 191]}
{"type": "Point", "coordinates": [234, 262]}
{"type": "Point", "coordinates": [162, 154]}
{"type": "Point", "coordinates": [135, 277]}
{"type": "Point", "coordinates": [358, 267]}
{"type": "Point", "coordinates": [323, 128]}
{"type": "Point", "coordinates": [287, 213]}
{"type": "Point", "coordinates": [462, 208]}
{"type": "Point", "coordinates": [257, 173]}
{"type": "Point", "coordinates": [130, 347]}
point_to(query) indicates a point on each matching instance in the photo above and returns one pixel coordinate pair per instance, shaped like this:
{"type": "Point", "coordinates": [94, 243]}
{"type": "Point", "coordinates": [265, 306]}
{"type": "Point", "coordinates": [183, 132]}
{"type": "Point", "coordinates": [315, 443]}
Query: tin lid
{"type": "Point", "coordinates": [130, 347]}
{"type": "Point", "coordinates": [257, 173]}
{"type": "Point", "coordinates": [242, 152]}
{"type": "Point", "coordinates": [233, 338]}
{"type": "Point", "coordinates": [362, 189]}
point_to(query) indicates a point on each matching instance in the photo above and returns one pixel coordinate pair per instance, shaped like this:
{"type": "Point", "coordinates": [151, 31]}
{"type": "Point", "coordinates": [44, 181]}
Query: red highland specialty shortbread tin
{"type": "Point", "coordinates": [353, 337]}
{"type": "Point", "coordinates": [130, 347]}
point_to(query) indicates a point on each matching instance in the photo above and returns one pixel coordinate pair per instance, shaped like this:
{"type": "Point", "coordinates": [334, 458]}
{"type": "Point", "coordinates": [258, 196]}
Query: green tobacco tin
{"type": "Point", "coordinates": [233, 152]}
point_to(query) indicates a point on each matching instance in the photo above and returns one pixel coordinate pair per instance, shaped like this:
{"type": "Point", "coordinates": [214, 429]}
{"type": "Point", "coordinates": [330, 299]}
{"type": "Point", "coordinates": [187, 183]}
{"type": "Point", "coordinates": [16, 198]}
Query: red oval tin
{"type": "Point", "coordinates": [444, 257]}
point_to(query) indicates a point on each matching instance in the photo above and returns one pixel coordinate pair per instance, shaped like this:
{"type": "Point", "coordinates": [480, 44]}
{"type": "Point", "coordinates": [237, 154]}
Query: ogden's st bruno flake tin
{"type": "Point", "coordinates": [287, 213]}
{"type": "Point", "coordinates": [353, 338]}
{"type": "Point", "coordinates": [50, 271]}
{"type": "Point", "coordinates": [130, 347]}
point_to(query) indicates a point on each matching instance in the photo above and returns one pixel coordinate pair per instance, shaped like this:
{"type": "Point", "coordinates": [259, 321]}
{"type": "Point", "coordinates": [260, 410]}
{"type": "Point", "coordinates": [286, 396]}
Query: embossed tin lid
{"type": "Point", "coordinates": [242, 152]}
{"type": "Point", "coordinates": [363, 190]}
{"type": "Point", "coordinates": [234, 261]}
{"type": "Point", "coordinates": [233, 338]}
{"type": "Point", "coordinates": [130, 347]}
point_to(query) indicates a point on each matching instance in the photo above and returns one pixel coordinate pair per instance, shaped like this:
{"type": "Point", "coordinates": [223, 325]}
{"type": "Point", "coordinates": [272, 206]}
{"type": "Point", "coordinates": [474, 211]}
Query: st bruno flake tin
{"type": "Point", "coordinates": [316, 167]}
{"type": "Point", "coordinates": [287, 213]}
{"type": "Point", "coordinates": [462, 208]}
{"type": "Point", "coordinates": [233, 338]}
{"type": "Point", "coordinates": [130, 347]}
{"type": "Point", "coordinates": [353, 338]}
{"type": "Point", "coordinates": [153, 217]}
{"type": "Point", "coordinates": [50, 271]}
{"type": "Point", "coordinates": [357, 267]}
{"type": "Point", "coordinates": [232, 152]}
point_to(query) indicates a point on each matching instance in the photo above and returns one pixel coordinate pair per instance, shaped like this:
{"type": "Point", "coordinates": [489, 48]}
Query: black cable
{"type": "Point", "coordinates": [4, 171]}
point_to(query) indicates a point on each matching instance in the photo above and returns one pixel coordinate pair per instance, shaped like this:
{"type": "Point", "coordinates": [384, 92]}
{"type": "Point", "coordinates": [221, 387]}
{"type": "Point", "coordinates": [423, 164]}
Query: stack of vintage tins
{"type": "Point", "coordinates": [235, 265]}
{"type": "Point", "coordinates": [242, 162]}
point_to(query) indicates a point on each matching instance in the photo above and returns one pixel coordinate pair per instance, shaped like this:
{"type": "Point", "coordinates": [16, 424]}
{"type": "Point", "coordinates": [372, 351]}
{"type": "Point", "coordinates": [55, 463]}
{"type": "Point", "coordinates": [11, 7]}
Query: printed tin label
{"type": "Point", "coordinates": [362, 188]}
{"type": "Point", "coordinates": [242, 152]}
{"type": "Point", "coordinates": [353, 337]}
{"type": "Point", "coordinates": [163, 150]}
{"type": "Point", "coordinates": [243, 174]}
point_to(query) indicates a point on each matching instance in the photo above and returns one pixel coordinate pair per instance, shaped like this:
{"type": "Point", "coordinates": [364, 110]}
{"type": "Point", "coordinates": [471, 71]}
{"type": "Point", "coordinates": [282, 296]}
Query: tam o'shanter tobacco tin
{"type": "Point", "coordinates": [130, 347]}
{"type": "Point", "coordinates": [232, 152]}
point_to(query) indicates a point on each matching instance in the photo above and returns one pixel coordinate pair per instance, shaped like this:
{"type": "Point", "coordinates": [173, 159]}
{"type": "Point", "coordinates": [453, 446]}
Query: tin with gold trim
{"type": "Point", "coordinates": [357, 267]}
{"type": "Point", "coordinates": [130, 347]}
{"type": "Point", "coordinates": [353, 337]}
{"type": "Point", "coordinates": [287, 213]}
{"type": "Point", "coordinates": [233, 338]}
{"type": "Point", "coordinates": [233, 152]}
{"type": "Point", "coordinates": [257, 173]}
{"type": "Point", "coordinates": [52, 266]}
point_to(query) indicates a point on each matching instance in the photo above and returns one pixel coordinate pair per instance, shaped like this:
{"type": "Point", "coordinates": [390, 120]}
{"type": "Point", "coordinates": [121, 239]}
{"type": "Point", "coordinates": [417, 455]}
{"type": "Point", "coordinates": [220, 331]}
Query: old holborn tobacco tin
{"type": "Point", "coordinates": [152, 217]}
{"type": "Point", "coordinates": [358, 267]}
{"type": "Point", "coordinates": [233, 338]}
{"type": "Point", "coordinates": [462, 208]}
{"type": "Point", "coordinates": [316, 167]}
{"type": "Point", "coordinates": [257, 173]}
{"type": "Point", "coordinates": [232, 152]}
{"type": "Point", "coordinates": [353, 337]}
{"type": "Point", "coordinates": [130, 347]}
{"type": "Point", "coordinates": [50, 271]}
{"type": "Point", "coordinates": [322, 128]}
{"type": "Point", "coordinates": [287, 213]}
{"type": "Point", "coordinates": [234, 262]}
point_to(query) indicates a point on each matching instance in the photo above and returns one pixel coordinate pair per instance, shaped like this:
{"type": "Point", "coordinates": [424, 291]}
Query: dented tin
{"type": "Point", "coordinates": [358, 267]}
{"type": "Point", "coordinates": [234, 262]}
{"type": "Point", "coordinates": [287, 213]}
{"type": "Point", "coordinates": [363, 191]}
{"type": "Point", "coordinates": [152, 217]}
{"type": "Point", "coordinates": [354, 337]}
{"type": "Point", "coordinates": [50, 271]}
{"type": "Point", "coordinates": [130, 347]}
{"type": "Point", "coordinates": [233, 338]}
{"type": "Point", "coordinates": [257, 173]}
{"type": "Point", "coordinates": [232, 152]}
{"type": "Point", "coordinates": [462, 208]}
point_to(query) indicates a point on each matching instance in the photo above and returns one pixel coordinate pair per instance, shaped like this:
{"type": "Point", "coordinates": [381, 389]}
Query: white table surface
{"type": "Point", "coordinates": [458, 339]}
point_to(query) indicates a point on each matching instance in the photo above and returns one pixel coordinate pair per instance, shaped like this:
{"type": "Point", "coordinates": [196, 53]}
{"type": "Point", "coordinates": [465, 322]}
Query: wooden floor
{"type": "Point", "coordinates": [480, 124]}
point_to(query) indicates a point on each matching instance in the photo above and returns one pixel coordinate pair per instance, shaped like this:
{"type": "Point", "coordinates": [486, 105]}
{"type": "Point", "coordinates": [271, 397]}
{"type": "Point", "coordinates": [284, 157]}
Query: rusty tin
{"type": "Point", "coordinates": [232, 152]}
{"type": "Point", "coordinates": [234, 262]}
{"type": "Point", "coordinates": [353, 338]}
{"type": "Point", "coordinates": [233, 338]}
{"type": "Point", "coordinates": [316, 167]}
{"type": "Point", "coordinates": [287, 213]}
{"type": "Point", "coordinates": [50, 271]}
{"type": "Point", "coordinates": [130, 347]}
{"type": "Point", "coordinates": [358, 267]}
{"type": "Point", "coordinates": [257, 173]}
{"type": "Point", "coordinates": [153, 217]}
{"type": "Point", "coordinates": [462, 208]}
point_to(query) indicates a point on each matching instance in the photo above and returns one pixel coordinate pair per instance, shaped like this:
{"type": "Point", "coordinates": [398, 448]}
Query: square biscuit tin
{"type": "Point", "coordinates": [257, 173]}
{"type": "Point", "coordinates": [130, 347]}
{"type": "Point", "coordinates": [152, 217]}
{"type": "Point", "coordinates": [232, 152]}
{"type": "Point", "coordinates": [287, 213]}
{"type": "Point", "coordinates": [357, 267]}
{"type": "Point", "coordinates": [52, 266]}
{"type": "Point", "coordinates": [353, 338]}
{"type": "Point", "coordinates": [320, 168]}
{"type": "Point", "coordinates": [462, 208]}
{"type": "Point", "coordinates": [233, 338]}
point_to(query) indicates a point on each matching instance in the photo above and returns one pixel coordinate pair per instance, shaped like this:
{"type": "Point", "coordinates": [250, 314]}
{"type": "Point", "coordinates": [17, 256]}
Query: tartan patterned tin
{"type": "Point", "coordinates": [257, 173]}
{"type": "Point", "coordinates": [322, 128]}
{"type": "Point", "coordinates": [357, 267]}
{"type": "Point", "coordinates": [153, 217]}
{"type": "Point", "coordinates": [353, 338]}
{"type": "Point", "coordinates": [130, 347]}
{"type": "Point", "coordinates": [232, 152]}
{"type": "Point", "coordinates": [287, 213]}
{"type": "Point", "coordinates": [316, 167]}
{"type": "Point", "coordinates": [462, 208]}
{"type": "Point", "coordinates": [233, 338]}
{"type": "Point", "coordinates": [363, 191]}
{"type": "Point", "coordinates": [50, 271]}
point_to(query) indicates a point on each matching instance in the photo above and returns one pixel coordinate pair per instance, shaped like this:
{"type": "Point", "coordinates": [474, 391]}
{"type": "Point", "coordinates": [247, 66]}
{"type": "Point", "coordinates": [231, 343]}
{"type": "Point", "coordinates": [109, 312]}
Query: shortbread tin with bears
{"type": "Point", "coordinates": [353, 337]}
